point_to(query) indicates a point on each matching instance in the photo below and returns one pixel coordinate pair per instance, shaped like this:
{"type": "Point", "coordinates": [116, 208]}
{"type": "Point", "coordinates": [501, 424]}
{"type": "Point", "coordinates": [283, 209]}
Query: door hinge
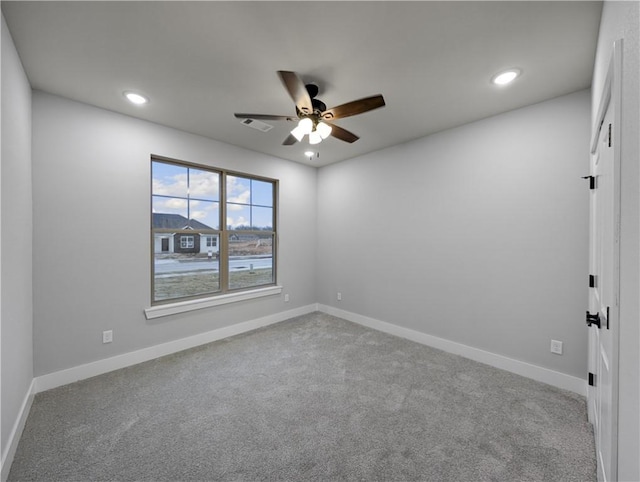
{"type": "Point", "coordinates": [609, 134]}
{"type": "Point", "coordinates": [593, 319]}
{"type": "Point", "coordinates": [592, 281]}
{"type": "Point", "coordinates": [607, 317]}
{"type": "Point", "coordinates": [592, 181]}
{"type": "Point", "coordinates": [592, 380]}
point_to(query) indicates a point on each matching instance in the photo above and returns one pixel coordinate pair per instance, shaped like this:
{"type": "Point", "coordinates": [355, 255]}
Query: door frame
{"type": "Point", "coordinates": [611, 97]}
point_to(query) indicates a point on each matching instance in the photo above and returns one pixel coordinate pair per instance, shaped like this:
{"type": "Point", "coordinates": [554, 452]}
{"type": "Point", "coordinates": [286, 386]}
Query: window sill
{"type": "Point", "coordinates": [190, 305]}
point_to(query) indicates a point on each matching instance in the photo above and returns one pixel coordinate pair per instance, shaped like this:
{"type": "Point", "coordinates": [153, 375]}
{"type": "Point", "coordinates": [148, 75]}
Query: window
{"type": "Point", "coordinates": [186, 242]}
{"type": "Point", "coordinates": [212, 241]}
{"type": "Point", "coordinates": [196, 254]}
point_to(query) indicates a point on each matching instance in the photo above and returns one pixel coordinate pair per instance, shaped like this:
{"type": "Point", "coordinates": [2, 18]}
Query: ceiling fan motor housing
{"type": "Point", "coordinates": [318, 106]}
{"type": "Point", "coordinates": [312, 90]}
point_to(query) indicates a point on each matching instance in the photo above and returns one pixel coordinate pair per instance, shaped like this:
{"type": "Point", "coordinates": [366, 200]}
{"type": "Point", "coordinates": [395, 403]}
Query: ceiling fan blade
{"type": "Point", "coordinates": [343, 134]}
{"type": "Point", "coordinates": [290, 140]}
{"type": "Point", "coordinates": [297, 91]}
{"type": "Point", "coordinates": [264, 117]}
{"type": "Point", "coordinates": [353, 108]}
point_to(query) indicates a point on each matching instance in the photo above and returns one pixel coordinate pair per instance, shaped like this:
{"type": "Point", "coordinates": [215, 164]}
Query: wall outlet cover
{"type": "Point", "coordinates": [107, 336]}
{"type": "Point", "coordinates": [556, 347]}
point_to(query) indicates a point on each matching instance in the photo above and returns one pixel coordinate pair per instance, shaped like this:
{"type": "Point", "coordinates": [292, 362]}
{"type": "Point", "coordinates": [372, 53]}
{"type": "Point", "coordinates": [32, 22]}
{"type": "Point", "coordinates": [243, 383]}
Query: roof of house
{"type": "Point", "coordinates": [176, 221]}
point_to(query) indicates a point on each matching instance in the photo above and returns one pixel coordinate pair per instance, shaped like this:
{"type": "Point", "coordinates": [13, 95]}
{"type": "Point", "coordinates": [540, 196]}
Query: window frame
{"type": "Point", "coordinates": [222, 234]}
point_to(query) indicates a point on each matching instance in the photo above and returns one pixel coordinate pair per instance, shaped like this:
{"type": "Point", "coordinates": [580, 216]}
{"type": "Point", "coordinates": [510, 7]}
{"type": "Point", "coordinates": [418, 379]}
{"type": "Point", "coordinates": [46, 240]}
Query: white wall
{"type": "Point", "coordinates": [620, 20]}
{"type": "Point", "coordinates": [16, 314]}
{"type": "Point", "coordinates": [91, 181]}
{"type": "Point", "coordinates": [478, 234]}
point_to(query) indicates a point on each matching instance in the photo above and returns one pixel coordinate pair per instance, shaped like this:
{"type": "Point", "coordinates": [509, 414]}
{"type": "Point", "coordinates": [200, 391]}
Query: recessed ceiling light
{"type": "Point", "coordinates": [136, 99]}
{"type": "Point", "coordinates": [506, 77]}
{"type": "Point", "coordinates": [309, 153]}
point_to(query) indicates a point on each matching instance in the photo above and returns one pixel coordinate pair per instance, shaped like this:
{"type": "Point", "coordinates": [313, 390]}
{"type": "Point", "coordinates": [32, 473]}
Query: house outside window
{"type": "Point", "coordinates": [196, 254]}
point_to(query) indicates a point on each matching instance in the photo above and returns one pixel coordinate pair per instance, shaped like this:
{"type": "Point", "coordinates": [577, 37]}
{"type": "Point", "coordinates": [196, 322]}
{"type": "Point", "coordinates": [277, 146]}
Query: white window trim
{"type": "Point", "coordinates": [158, 311]}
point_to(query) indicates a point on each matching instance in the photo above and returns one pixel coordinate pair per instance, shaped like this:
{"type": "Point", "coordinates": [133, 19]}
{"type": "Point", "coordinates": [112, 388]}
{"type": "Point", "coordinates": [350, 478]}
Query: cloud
{"type": "Point", "coordinates": [242, 198]}
{"type": "Point", "coordinates": [240, 221]}
{"type": "Point", "coordinates": [235, 207]}
{"type": "Point", "coordinates": [200, 184]}
{"type": "Point", "coordinates": [198, 214]}
{"type": "Point", "coordinates": [238, 190]}
{"type": "Point", "coordinates": [170, 206]}
{"type": "Point", "coordinates": [203, 184]}
{"type": "Point", "coordinates": [174, 203]}
{"type": "Point", "coordinates": [170, 185]}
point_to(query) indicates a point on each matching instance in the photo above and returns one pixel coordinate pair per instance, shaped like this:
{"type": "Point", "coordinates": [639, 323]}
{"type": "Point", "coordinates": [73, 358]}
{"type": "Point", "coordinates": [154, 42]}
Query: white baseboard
{"type": "Point", "coordinates": [70, 375]}
{"type": "Point", "coordinates": [16, 432]}
{"type": "Point", "coordinates": [544, 375]}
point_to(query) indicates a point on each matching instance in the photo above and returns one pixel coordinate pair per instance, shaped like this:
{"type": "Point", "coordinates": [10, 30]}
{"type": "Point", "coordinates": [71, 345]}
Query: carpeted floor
{"type": "Point", "coordinates": [311, 398]}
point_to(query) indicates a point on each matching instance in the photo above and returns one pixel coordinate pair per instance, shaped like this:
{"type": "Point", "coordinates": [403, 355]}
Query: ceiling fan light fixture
{"type": "Point", "coordinates": [298, 132]}
{"type": "Point", "coordinates": [506, 77]}
{"type": "Point", "coordinates": [315, 138]}
{"type": "Point", "coordinates": [306, 125]}
{"type": "Point", "coordinates": [323, 129]}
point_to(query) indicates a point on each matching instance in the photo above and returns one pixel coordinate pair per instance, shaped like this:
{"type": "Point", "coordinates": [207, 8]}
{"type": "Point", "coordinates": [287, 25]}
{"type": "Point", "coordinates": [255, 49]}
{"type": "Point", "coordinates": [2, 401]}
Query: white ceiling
{"type": "Point", "coordinates": [199, 62]}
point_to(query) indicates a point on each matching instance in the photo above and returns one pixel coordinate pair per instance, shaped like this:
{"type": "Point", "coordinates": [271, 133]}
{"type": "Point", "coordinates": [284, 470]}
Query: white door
{"type": "Point", "coordinates": [603, 304]}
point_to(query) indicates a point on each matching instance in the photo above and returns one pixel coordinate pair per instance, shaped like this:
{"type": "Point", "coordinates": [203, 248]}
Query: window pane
{"type": "Point", "coordinates": [262, 218]}
{"type": "Point", "coordinates": [169, 212]}
{"type": "Point", "coordinates": [169, 179]}
{"type": "Point", "coordinates": [238, 216]}
{"type": "Point", "coordinates": [238, 190]}
{"type": "Point", "coordinates": [185, 266]}
{"type": "Point", "coordinates": [261, 193]}
{"type": "Point", "coordinates": [250, 260]}
{"type": "Point", "coordinates": [204, 215]}
{"type": "Point", "coordinates": [204, 185]}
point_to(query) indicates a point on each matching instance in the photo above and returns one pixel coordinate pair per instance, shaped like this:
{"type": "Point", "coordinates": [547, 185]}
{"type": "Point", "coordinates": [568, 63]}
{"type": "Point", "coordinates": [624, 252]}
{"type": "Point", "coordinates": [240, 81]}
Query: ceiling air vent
{"type": "Point", "coordinates": [256, 124]}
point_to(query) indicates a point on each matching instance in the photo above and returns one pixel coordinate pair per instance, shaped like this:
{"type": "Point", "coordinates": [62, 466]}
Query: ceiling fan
{"type": "Point", "coordinates": [314, 119]}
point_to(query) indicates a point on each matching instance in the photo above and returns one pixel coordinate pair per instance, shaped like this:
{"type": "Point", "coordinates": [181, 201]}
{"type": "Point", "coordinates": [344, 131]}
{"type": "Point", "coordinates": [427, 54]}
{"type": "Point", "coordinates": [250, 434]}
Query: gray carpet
{"type": "Point", "coordinates": [311, 398]}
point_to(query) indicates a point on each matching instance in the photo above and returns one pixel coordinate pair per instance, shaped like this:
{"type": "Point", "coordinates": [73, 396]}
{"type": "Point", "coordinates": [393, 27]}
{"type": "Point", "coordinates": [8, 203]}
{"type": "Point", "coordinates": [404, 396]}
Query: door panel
{"type": "Point", "coordinates": [602, 299]}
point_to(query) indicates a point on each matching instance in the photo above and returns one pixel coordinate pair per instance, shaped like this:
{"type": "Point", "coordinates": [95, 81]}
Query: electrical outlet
{"type": "Point", "coordinates": [556, 347]}
{"type": "Point", "coordinates": [286, 298]}
{"type": "Point", "coordinates": [339, 296]}
{"type": "Point", "coordinates": [107, 336]}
